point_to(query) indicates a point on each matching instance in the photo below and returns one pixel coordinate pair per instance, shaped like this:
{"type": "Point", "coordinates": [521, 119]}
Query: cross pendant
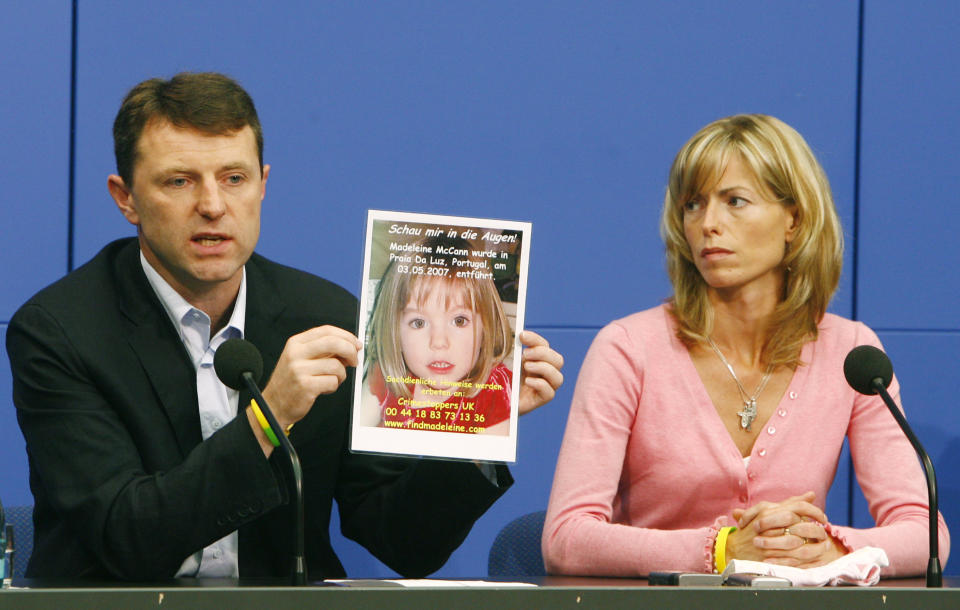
{"type": "Point", "coordinates": [748, 414]}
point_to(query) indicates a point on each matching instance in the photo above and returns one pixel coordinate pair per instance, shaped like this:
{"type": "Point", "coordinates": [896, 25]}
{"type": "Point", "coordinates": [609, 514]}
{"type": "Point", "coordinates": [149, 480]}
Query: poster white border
{"type": "Point", "coordinates": [431, 443]}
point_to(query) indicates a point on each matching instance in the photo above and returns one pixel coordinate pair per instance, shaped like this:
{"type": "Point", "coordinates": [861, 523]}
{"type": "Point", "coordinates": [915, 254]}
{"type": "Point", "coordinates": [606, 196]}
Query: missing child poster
{"type": "Point", "coordinates": [441, 306]}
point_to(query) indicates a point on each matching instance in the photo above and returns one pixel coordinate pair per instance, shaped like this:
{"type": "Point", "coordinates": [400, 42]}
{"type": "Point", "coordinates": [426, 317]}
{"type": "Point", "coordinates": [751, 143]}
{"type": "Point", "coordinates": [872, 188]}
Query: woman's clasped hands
{"type": "Point", "coordinates": [790, 532]}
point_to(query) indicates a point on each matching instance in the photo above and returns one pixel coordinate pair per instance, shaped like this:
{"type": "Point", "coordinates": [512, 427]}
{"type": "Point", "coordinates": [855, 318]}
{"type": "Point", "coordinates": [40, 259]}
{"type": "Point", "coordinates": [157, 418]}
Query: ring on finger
{"type": "Point", "coordinates": [787, 532]}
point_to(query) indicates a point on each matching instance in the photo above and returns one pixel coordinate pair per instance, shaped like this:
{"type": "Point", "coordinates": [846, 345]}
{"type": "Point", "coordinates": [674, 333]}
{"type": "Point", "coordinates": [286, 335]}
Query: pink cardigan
{"type": "Point", "coordinates": [647, 472]}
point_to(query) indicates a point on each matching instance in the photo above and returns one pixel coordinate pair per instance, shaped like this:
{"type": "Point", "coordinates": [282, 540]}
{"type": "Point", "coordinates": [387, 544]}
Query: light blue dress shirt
{"type": "Point", "coordinates": [218, 403]}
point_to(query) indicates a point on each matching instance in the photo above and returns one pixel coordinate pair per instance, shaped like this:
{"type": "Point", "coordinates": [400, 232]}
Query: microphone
{"type": "Point", "coordinates": [238, 364]}
{"type": "Point", "coordinates": [869, 371]}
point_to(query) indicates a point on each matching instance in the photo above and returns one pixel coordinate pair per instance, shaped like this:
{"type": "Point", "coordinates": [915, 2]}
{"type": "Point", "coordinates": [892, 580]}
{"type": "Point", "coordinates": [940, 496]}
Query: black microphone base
{"type": "Point", "coordinates": [299, 571]}
{"type": "Point", "coordinates": [934, 574]}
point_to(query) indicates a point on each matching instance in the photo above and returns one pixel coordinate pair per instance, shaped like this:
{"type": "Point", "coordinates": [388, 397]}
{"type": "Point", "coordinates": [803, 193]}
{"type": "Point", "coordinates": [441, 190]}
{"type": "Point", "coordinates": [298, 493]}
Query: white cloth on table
{"type": "Point", "coordinates": [861, 567]}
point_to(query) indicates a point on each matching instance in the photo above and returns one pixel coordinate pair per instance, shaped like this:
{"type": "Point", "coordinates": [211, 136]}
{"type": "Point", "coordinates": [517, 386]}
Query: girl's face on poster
{"type": "Point", "coordinates": [438, 338]}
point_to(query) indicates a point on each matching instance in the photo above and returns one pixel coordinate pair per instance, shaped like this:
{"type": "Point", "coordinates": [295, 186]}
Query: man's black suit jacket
{"type": "Point", "coordinates": [125, 487]}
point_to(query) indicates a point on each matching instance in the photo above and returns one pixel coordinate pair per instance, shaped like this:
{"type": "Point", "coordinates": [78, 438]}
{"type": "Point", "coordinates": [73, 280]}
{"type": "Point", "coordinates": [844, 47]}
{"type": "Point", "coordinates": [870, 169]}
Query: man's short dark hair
{"type": "Point", "coordinates": [206, 101]}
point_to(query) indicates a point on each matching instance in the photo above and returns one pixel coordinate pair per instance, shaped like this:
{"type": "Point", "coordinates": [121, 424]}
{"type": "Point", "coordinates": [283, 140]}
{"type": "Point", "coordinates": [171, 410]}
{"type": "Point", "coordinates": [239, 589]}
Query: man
{"type": "Point", "coordinates": [142, 464]}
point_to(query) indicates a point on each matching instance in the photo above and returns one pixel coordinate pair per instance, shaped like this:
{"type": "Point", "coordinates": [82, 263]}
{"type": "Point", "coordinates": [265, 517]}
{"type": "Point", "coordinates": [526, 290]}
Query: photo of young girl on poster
{"type": "Point", "coordinates": [437, 343]}
{"type": "Point", "coordinates": [440, 308]}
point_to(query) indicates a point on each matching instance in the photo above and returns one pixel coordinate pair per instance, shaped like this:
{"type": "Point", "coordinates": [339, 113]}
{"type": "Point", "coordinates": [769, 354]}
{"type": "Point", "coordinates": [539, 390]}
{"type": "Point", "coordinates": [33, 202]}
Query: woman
{"type": "Point", "coordinates": [727, 406]}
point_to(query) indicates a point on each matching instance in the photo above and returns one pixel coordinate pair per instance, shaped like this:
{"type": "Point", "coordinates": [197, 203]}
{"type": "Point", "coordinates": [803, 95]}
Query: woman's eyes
{"type": "Point", "coordinates": [696, 204]}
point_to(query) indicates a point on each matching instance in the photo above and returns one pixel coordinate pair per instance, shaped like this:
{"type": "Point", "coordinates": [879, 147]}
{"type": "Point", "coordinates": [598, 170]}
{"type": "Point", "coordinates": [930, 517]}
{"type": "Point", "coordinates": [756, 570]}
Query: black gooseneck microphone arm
{"type": "Point", "coordinates": [869, 371]}
{"type": "Point", "coordinates": [299, 560]}
{"type": "Point", "coordinates": [934, 572]}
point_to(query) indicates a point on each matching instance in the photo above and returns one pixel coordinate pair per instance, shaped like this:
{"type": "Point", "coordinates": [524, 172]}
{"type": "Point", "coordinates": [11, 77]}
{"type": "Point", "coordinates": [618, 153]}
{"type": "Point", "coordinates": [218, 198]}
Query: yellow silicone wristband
{"type": "Point", "coordinates": [720, 548]}
{"type": "Point", "coordinates": [264, 423]}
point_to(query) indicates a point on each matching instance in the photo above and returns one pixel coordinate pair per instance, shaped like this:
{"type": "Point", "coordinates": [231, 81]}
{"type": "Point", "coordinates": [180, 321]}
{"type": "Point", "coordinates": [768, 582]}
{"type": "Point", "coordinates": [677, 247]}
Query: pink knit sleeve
{"type": "Point", "coordinates": [579, 536]}
{"type": "Point", "coordinates": [709, 557]}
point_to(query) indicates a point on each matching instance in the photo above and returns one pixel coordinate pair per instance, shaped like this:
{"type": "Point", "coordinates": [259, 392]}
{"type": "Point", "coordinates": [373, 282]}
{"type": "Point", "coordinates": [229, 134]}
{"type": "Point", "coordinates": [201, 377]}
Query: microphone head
{"type": "Point", "coordinates": [865, 363]}
{"type": "Point", "coordinates": [235, 357]}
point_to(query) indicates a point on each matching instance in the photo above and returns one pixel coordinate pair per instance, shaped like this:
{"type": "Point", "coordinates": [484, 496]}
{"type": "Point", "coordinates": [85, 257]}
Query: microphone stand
{"type": "Point", "coordinates": [299, 561]}
{"type": "Point", "coordinates": [934, 573]}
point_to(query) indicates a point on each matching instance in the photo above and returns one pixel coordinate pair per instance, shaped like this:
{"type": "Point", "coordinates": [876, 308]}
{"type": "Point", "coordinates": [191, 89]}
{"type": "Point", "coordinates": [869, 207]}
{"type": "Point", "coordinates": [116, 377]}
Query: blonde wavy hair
{"type": "Point", "coordinates": [784, 166]}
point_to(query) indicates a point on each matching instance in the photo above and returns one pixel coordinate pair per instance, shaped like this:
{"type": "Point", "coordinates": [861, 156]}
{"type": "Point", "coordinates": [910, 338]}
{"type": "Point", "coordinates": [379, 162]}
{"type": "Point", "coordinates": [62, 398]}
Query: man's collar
{"type": "Point", "coordinates": [177, 307]}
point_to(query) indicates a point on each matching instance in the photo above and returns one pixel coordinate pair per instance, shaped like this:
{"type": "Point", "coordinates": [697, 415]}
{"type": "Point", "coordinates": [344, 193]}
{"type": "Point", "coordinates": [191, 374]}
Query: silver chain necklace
{"type": "Point", "coordinates": [749, 412]}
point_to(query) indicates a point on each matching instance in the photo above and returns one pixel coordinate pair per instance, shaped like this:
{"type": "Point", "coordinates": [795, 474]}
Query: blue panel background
{"type": "Point", "coordinates": [563, 113]}
{"type": "Point", "coordinates": [35, 153]}
{"type": "Point", "coordinates": [908, 288]}
{"type": "Point", "coordinates": [910, 183]}
{"type": "Point", "coordinates": [546, 111]}
{"type": "Point", "coordinates": [35, 123]}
